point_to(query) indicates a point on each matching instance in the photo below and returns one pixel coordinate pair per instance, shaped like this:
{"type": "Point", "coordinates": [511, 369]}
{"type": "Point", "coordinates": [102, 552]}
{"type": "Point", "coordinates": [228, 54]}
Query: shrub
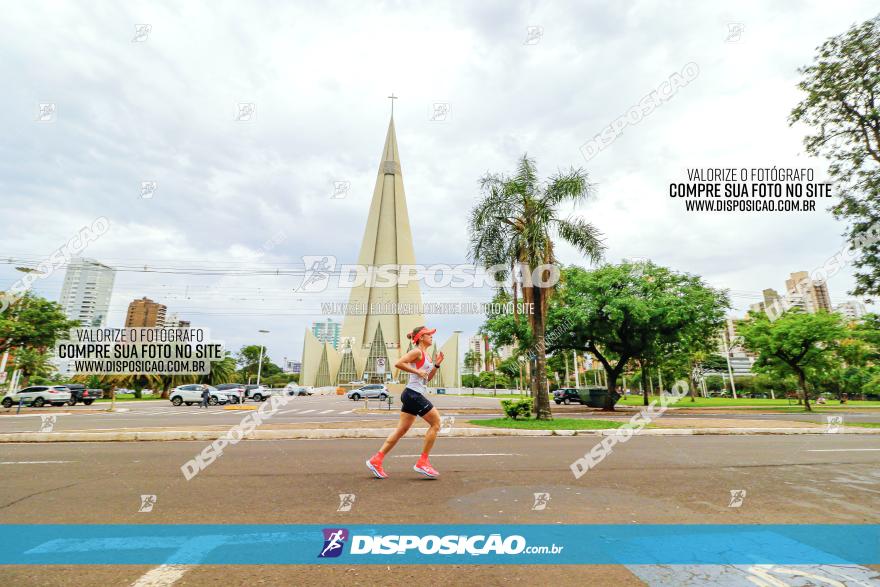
{"type": "Point", "coordinates": [514, 408]}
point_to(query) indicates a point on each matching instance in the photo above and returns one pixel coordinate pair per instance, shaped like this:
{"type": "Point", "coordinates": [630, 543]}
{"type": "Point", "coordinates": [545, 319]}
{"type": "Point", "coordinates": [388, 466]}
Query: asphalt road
{"type": "Point", "coordinates": [665, 480]}
{"type": "Point", "coordinates": [319, 410]}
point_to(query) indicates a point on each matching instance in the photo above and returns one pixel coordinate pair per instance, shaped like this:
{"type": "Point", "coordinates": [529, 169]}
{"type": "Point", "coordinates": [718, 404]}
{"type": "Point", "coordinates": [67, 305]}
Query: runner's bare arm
{"type": "Point", "coordinates": [436, 366]}
{"type": "Point", "coordinates": [405, 362]}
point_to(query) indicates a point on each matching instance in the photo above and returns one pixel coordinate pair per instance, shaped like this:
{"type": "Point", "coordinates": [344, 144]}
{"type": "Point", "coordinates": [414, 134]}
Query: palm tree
{"type": "Point", "coordinates": [32, 362]}
{"type": "Point", "coordinates": [222, 371]}
{"type": "Point", "coordinates": [512, 227]}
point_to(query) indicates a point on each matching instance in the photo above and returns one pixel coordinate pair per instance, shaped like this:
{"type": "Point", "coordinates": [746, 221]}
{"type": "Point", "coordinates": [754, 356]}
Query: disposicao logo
{"type": "Point", "coordinates": [334, 541]}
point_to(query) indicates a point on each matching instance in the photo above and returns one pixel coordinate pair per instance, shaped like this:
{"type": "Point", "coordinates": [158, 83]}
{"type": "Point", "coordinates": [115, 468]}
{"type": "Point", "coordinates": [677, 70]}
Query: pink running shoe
{"type": "Point", "coordinates": [376, 467]}
{"type": "Point", "coordinates": [426, 469]}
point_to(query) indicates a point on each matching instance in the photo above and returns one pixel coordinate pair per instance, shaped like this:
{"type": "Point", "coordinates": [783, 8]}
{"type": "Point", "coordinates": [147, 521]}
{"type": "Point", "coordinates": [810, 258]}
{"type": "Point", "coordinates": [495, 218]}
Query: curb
{"type": "Point", "coordinates": [328, 433]}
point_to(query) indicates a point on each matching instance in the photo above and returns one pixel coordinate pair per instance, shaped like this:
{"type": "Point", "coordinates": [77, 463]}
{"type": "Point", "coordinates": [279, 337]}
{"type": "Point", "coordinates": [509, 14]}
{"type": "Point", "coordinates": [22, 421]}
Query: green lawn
{"type": "Point", "coordinates": [864, 424]}
{"type": "Point", "coordinates": [499, 396]}
{"type": "Point", "coordinates": [556, 424]}
{"type": "Point", "coordinates": [780, 405]}
{"type": "Point", "coordinates": [727, 402]}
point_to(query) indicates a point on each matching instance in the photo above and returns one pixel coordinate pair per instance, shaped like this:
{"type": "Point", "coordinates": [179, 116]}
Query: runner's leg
{"type": "Point", "coordinates": [403, 426]}
{"type": "Point", "coordinates": [374, 463]}
{"type": "Point", "coordinates": [433, 420]}
{"type": "Point", "coordinates": [423, 465]}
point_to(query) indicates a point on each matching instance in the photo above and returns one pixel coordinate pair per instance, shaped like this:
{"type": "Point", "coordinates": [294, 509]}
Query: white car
{"type": "Point", "coordinates": [294, 389]}
{"type": "Point", "coordinates": [235, 391]}
{"type": "Point", "coordinates": [258, 393]}
{"type": "Point", "coordinates": [373, 390]}
{"type": "Point", "coordinates": [192, 394]}
{"type": "Point", "coordinates": [39, 395]}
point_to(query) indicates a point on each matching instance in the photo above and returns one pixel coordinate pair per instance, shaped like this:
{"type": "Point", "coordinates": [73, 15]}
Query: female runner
{"type": "Point", "coordinates": [413, 403]}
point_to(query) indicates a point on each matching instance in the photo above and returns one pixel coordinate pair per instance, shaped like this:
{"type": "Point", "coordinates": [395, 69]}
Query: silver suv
{"type": "Point", "coordinates": [373, 390]}
{"type": "Point", "coordinates": [39, 395]}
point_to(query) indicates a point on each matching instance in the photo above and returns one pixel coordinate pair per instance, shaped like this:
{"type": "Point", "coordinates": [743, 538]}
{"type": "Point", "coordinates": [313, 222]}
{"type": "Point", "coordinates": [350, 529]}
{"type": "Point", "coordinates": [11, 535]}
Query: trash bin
{"type": "Point", "coordinates": [441, 390]}
{"type": "Point", "coordinates": [594, 396]}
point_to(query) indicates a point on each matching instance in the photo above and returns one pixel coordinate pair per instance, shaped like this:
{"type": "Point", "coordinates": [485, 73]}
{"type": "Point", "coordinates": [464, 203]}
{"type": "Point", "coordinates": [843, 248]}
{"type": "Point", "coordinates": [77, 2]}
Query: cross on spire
{"type": "Point", "coordinates": [392, 97]}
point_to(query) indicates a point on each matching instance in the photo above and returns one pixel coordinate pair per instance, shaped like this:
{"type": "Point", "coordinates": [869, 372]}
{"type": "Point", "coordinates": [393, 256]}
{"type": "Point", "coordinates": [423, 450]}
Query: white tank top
{"type": "Point", "coordinates": [415, 382]}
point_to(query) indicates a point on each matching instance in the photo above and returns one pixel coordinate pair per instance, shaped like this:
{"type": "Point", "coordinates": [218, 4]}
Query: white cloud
{"type": "Point", "coordinates": [163, 110]}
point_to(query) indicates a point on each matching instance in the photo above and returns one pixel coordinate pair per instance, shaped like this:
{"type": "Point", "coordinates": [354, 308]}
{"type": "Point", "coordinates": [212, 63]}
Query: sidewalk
{"type": "Point", "coordinates": [380, 429]}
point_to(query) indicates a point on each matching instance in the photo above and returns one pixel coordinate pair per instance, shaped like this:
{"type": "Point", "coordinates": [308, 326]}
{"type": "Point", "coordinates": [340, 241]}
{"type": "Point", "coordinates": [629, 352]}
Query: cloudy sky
{"type": "Point", "coordinates": [543, 78]}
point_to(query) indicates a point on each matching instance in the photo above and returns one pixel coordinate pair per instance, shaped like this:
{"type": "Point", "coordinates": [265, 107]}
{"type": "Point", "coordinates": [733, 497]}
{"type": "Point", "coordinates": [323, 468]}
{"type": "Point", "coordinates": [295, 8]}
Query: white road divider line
{"type": "Point", "coordinates": [484, 454]}
{"type": "Point", "coordinates": [34, 462]}
{"type": "Point", "coordinates": [346, 412]}
{"type": "Point", "coordinates": [326, 411]}
{"type": "Point", "coordinates": [307, 411]}
{"type": "Point", "coordinates": [840, 449]}
{"type": "Point", "coordinates": [161, 576]}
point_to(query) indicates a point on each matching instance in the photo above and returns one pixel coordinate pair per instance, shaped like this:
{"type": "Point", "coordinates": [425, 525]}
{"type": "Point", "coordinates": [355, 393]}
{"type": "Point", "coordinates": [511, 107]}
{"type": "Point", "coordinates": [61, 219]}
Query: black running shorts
{"type": "Point", "coordinates": [413, 402]}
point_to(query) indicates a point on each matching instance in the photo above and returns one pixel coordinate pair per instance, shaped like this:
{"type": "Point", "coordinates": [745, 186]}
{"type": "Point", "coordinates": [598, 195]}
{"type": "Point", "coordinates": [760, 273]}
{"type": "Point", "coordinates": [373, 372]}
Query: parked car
{"type": "Point", "coordinates": [192, 394]}
{"type": "Point", "coordinates": [235, 391]}
{"type": "Point", "coordinates": [374, 390]}
{"type": "Point", "coordinates": [80, 393]}
{"type": "Point", "coordinates": [39, 395]}
{"type": "Point", "coordinates": [258, 393]}
{"type": "Point", "coordinates": [566, 395]}
{"type": "Point", "coordinates": [293, 389]}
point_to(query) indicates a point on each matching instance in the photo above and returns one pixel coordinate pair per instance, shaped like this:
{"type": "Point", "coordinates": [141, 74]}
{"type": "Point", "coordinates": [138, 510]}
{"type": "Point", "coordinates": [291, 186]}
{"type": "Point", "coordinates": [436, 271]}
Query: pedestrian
{"type": "Point", "coordinates": [414, 404]}
{"type": "Point", "coordinates": [206, 395]}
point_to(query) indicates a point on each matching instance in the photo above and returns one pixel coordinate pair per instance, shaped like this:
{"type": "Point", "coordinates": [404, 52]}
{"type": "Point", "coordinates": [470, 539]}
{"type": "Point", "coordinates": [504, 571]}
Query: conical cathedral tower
{"type": "Point", "coordinates": [387, 241]}
{"type": "Point", "coordinates": [372, 341]}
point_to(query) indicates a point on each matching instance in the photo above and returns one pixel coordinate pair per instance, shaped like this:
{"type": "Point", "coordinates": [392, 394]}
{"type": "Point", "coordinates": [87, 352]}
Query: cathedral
{"type": "Point", "coordinates": [373, 340]}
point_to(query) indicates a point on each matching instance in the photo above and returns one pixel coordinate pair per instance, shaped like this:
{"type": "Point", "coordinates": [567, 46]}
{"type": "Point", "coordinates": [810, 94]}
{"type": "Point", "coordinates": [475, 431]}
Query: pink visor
{"type": "Point", "coordinates": [419, 334]}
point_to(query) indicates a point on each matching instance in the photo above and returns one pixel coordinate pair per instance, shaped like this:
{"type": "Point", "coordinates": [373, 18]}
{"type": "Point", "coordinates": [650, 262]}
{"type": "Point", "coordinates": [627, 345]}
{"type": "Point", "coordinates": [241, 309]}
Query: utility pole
{"type": "Point", "coordinates": [260, 363]}
{"type": "Point", "coordinates": [729, 368]}
{"type": "Point", "coordinates": [577, 379]}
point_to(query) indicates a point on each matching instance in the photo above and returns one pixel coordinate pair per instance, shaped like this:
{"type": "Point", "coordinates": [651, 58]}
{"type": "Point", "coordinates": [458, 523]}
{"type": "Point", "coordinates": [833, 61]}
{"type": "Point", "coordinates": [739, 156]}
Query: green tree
{"type": "Point", "coordinates": [797, 342]}
{"type": "Point", "coordinates": [842, 105]}
{"type": "Point", "coordinates": [33, 363]}
{"type": "Point", "coordinates": [33, 322]}
{"type": "Point", "coordinates": [512, 229]}
{"type": "Point", "coordinates": [248, 361]}
{"type": "Point", "coordinates": [222, 371]}
{"type": "Point", "coordinates": [632, 310]}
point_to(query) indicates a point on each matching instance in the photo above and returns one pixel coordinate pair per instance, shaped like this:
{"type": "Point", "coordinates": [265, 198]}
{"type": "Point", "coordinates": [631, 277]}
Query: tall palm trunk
{"type": "Point", "coordinates": [542, 399]}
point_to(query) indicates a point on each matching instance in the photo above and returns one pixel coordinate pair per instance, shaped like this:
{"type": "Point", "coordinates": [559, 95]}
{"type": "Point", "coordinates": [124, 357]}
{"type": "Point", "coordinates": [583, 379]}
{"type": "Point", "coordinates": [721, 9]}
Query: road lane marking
{"type": "Point", "coordinates": [161, 576]}
{"type": "Point", "coordinates": [326, 411]}
{"type": "Point", "coordinates": [34, 462]}
{"type": "Point", "coordinates": [346, 412]}
{"type": "Point", "coordinates": [307, 411]}
{"type": "Point", "coordinates": [840, 449]}
{"type": "Point", "coordinates": [483, 454]}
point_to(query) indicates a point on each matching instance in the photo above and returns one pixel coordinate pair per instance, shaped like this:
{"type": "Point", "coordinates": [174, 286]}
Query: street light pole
{"type": "Point", "coordinates": [729, 368]}
{"type": "Point", "coordinates": [260, 363]}
{"type": "Point", "coordinates": [457, 362]}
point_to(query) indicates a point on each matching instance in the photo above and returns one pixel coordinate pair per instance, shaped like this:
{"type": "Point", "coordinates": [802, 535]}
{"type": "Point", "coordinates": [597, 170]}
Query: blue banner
{"type": "Point", "coordinates": [519, 544]}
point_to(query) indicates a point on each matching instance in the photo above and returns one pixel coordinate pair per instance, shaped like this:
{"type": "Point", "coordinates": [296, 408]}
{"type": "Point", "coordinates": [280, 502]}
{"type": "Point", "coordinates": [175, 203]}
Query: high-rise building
{"type": "Point", "coordinates": [852, 309]}
{"type": "Point", "coordinates": [173, 321]}
{"type": "Point", "coordinates": [477, 345]}
{"type": "Point", "coordinates": [145, 313]}
{"type": "Point", "coordinates": [85, 295]}
{"type": "Point", "coordinates": [327, 331]}
{"type": "Point", "coordinates": [291, 366]}
{"type": "Point", "coordinates": [815, 293]}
